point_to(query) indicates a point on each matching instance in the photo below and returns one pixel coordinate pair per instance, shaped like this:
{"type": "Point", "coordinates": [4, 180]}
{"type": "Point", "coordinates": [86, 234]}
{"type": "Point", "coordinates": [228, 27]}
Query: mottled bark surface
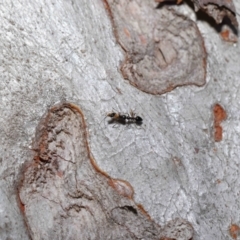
{"type": "Point", "coordinates": [71, 199]}
{"type": "Point", "coordinates": [63, 51]}
{"type": "Point", "coordinates": [217, 9]}
{"type": "Point", "coordinates": [163, 49]}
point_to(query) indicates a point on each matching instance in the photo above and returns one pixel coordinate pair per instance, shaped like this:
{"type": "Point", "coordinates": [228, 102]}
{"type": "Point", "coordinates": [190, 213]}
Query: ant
{"type": "Point", "coordinates": [125, 118]}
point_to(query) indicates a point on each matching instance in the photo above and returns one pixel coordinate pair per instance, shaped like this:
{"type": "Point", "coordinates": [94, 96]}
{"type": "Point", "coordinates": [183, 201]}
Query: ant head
{"type": "Point", "coordinates": [111, 115]}
{"type": "Point", "coordinates": [138, 119]}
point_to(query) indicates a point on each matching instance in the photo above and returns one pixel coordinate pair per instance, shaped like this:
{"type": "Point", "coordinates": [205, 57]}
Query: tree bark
{"type": "Point", "coordinates": [66, 173]}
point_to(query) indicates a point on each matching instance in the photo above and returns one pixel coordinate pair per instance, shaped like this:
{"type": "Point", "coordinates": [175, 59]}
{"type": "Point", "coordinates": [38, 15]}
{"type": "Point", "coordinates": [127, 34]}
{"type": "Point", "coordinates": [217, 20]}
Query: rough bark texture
{"type": "Point", "coordinates": [217, 9]}
{"type": "Point", "coordinates": [163, 49]}
{"type": "Point", "coordinates": [72, 200]}
{"type": "Point", "coordinates": [60, 50]}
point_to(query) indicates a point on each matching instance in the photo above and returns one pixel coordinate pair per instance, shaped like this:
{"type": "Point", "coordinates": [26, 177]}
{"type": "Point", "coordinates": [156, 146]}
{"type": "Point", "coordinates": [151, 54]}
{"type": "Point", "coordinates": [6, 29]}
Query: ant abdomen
{"type": "Point", "coordinates": [138, 119]}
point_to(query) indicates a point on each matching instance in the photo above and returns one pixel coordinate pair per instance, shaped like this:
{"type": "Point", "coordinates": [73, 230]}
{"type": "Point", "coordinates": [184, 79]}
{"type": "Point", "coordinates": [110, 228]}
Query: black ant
{"type": "Point", "coordinates": [125, 118]}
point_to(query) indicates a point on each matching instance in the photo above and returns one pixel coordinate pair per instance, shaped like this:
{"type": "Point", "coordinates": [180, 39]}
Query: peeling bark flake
{"type": "Point", "coordinates": [163, 49]}
{"type": "Point", "coordinates": [234, 231]}
{"type": "Point", "coordinates": [219, 116]}
{"type": "Point", "coordinates": [64, 194]}
{"type": "Point", "coordinates": [217, 9]}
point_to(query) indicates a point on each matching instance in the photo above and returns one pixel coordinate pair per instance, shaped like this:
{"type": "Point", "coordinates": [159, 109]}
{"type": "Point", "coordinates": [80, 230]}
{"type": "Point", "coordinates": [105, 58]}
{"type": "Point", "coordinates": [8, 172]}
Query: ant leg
{"type": "Point", "coordinates": [116, 125]}
{"type": "Point", "coordinates": [118, 112]}
{"type": "Point", "coordinates": [132, 113]}
{"type": "Point", "coordinates": [103, 121]}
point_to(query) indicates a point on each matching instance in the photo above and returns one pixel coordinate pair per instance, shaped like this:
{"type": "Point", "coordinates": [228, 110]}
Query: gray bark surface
{"type": "Point", "coordinates": [72, 198]}
{"type": "Point", "coordinates": [61, 51]}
